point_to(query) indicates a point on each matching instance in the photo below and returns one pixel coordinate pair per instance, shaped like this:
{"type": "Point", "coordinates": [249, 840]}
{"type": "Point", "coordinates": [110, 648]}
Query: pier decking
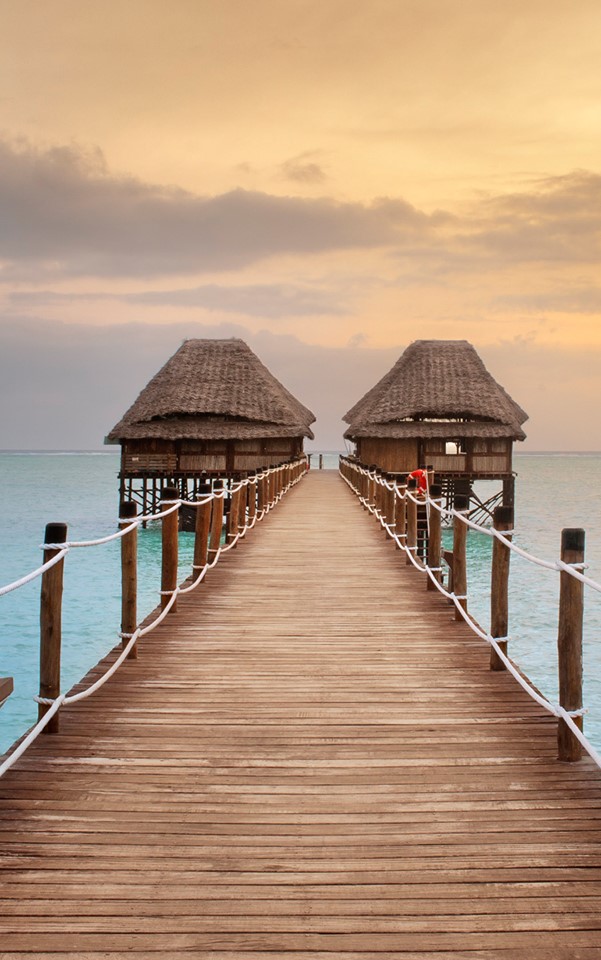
{"type": "Point", "coordinates": [310, 758]}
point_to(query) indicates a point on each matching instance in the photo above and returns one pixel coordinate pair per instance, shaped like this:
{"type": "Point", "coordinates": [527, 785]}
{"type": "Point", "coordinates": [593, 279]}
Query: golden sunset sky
{"type": "Point", "coordinates": [329, 180]}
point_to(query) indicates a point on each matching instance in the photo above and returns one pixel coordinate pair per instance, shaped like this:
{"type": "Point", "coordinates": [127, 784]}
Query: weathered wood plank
{"type": "Point", "coordinates": [303, 760]}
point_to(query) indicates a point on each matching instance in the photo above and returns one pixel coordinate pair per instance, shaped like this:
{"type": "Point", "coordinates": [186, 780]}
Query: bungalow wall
{"type": "Point", "coordinates": [476, 456]}
{"type": "Point", "coordinates": [393, 456]}
{"type": "Point", "coordinates": [483, 457]}
{"type": "Point", "coordinates": [195, 457]}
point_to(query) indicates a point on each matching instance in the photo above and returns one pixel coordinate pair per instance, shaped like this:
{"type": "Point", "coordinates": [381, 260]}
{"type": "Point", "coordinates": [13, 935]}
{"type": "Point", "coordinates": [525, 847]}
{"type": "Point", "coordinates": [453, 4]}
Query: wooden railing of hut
{"type": "Point", "coordinates": [251, 499]}
{"type": "Point", "coordinates": [395, 502]}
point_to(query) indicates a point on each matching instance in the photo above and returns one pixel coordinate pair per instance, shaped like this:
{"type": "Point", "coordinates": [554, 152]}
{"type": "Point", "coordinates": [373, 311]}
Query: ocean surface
{"type": "Point", "coordinates": [553, 491]}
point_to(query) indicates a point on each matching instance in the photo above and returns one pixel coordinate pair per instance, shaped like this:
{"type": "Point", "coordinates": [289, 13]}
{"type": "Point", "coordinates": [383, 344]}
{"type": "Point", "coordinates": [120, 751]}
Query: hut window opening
{"type": "Point", "coordinates": [454, 447]}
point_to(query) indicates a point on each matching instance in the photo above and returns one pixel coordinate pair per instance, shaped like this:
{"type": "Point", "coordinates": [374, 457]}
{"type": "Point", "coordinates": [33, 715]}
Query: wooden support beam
{"type": "Point", "coordinates": [460, 554]}
{"type": "Point", "coordinates": [435, 536]}
{"type": "Point", "coordinates": [129, 575]}
{"type": "Point", "coordinates": [499, 585]}
{"type": "Point", "coordinates": [411, 515]}
{"type": "Point", "coordinates": [400, 511]}
{"type": "Point", "coordinates": [51, 604]}
{"type": "Point", "coordinates": [169, 539]}
{"type": "Point", "coordinates": [202, 528]}
{"type": "Point", "coordinates": [569, 643]}
{"type": "Point", "coordinates": [216, 521]}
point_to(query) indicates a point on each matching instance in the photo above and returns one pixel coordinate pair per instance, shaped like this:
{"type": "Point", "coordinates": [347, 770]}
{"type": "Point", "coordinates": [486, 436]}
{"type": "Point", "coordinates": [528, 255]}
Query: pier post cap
{"type": "Point", "coordinates": [127, 509]}
{"type": "Point", "coordinates": [503, 515]}
{"type": "Point", "coordinates": [170, 493]}
{"type": "Point", "coordinates": [572, 540]}
{"type": "Point", "coordinates": [55, 533]}
{"type": "Point", "coordinates": [412, 483]}
{"type": "Point", "coordinates": [435, 490]}
{"type": "Point", "coordinates": [461, 503]}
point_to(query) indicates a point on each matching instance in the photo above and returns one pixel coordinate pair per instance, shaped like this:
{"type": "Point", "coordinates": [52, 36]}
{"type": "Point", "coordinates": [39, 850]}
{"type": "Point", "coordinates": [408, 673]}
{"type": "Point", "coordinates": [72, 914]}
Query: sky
{"type": "Point", "coordinates": [327, 180]}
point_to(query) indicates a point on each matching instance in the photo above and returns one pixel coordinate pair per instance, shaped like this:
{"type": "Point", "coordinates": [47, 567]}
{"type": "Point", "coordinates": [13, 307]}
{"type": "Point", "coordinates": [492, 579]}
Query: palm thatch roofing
{"type": "Point", "coordinates": [437, 388]}
{"type": "Point", "coordinates": [213, 389]}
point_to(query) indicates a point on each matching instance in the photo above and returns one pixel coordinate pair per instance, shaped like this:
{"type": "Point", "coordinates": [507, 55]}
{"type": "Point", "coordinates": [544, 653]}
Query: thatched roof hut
{"type": "Point", "coordinates": [213, 389]}
{"type": "Point", "coordinates": [212, 410]}
{"type": "Point", "coordinates": [438, 393]}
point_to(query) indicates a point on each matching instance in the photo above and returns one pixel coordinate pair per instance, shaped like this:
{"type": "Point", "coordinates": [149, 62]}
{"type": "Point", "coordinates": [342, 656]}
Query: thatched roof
{"type": "Point", "coordinates": [432, 383]}
{"type": "Point", "coordinates": [213, 389]}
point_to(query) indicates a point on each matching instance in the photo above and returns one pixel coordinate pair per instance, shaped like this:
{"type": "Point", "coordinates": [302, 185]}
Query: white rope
{"type": "Point", "coordinates": [574, 570]}
{"type": "Point", "coordinates": [133, 522]}
{"type": "Point", "coordinates": [31, 736]}
{"type": "Point", "coordinates": [55, 703]}
{"type": "Point", "coordinates": [568, 716]}
{"type": "Point", "coordinates": [34, 573]}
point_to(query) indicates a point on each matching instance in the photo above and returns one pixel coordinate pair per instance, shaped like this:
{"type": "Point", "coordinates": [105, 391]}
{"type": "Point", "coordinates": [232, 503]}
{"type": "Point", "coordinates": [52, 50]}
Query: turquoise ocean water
{"type": "Point", "coordinates": [553, 491]}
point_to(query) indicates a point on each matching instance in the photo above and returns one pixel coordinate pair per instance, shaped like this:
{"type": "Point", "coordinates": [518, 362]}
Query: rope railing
{"type": "Point", "coordinates": [395, 502]}
{"type": "Point", "coordinates": [251, 499]}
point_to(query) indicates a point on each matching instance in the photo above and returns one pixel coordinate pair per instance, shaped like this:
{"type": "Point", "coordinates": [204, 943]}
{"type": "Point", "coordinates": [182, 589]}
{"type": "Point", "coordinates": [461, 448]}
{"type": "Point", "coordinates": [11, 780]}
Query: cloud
{"type": "Point", "coordinates": [303, 169]}
{"type": "Point", "coordinates": [272, 301]}
{"type": "Point", "coordinates": [358, 340]}
{"type": "Point", "coordinates": [558, 220]}
{"type": "Point", "coordinates": [583, 300]}
{"type": "Point", "coordinates": [64, 213]}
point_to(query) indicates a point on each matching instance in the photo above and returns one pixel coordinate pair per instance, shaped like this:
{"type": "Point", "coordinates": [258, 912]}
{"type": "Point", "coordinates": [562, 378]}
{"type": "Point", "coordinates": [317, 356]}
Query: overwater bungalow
{"type": "Point", "coordinates": [213, 410]}
{"type": "Point", "coordinates": [440, 407]}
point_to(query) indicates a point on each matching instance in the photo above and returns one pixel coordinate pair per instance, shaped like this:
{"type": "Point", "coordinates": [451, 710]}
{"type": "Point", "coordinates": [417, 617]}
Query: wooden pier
{"type": "Point", "coordinates": [311, 758]}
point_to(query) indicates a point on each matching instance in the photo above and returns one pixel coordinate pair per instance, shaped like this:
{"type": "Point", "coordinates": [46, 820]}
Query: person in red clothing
{"type": "Point", "coordinates": [421, 475]}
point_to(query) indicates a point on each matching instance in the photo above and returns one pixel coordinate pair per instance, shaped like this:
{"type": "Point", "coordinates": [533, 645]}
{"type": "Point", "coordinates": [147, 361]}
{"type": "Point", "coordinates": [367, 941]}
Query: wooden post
{"type": "Point", "coordinates": [242, 504]}
{"type": "Point", "coordinates": [460, 554]}
{"type": "Point", "coordinates": [51, 624]}
{"type": "Point", "coordinates": [385, 500]}
{"type": "Point", "coordinates": [231, 524]}
{"type": "Point", "coordinates": [371, 486]}
{"type": "Point", "coordinates": [169, 529]}
{"type": "Point", "coordinates": [569, 643]}
{"type": "Point", "coordinates": [411, 513]}
{"type": "Point", "coordinates": [499, 585]}
{"type": "Point", "coordinates": [202, 528]}
{"type": "Point", "coordinates": [216, 521]}
{"type": "Point", "coordinates": [431, 475]}
{"type": "Point", "coordinates": [435, 537]}
{"type": "Point", "coordinates": [321, 461]}
{"type": "Point", "coordinates": [261, 496]}
{"type": "Point", "coordinates": [390, 504]}
{"type": "Point", "coordinates": [129, 575]}
{"type": "Point", "coordinates": [268, 488]}
{"type": "Point", "coordinates": [400, 512]}
{"type": "Point", "coordinates": [252, 499]}
{"type": "Point", "coordinates": [379, 495]}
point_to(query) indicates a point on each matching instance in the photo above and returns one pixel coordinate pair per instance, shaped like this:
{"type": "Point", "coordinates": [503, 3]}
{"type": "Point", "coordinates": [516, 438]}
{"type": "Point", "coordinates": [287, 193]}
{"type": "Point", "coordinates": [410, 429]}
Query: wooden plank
{"type": "Point", "coordinates": [303, 760]}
